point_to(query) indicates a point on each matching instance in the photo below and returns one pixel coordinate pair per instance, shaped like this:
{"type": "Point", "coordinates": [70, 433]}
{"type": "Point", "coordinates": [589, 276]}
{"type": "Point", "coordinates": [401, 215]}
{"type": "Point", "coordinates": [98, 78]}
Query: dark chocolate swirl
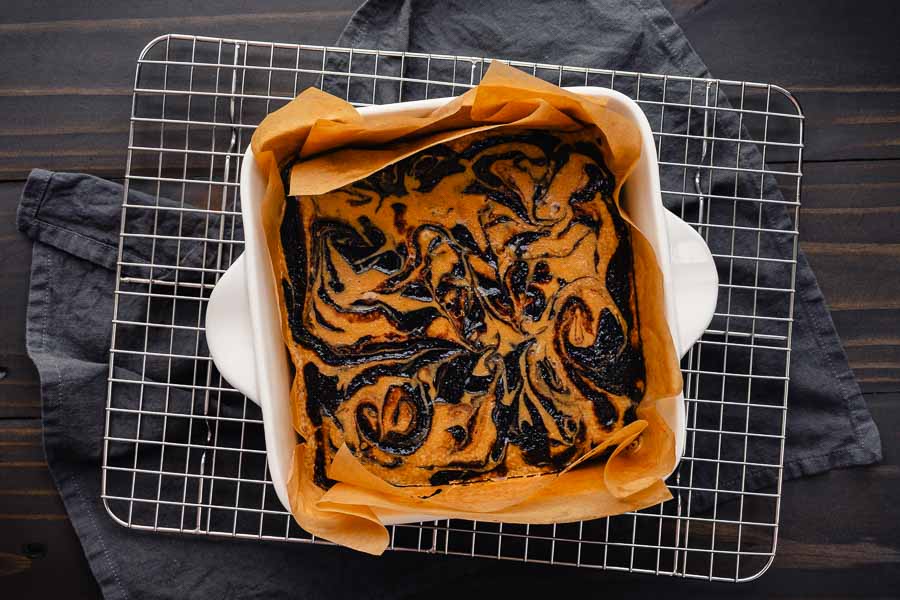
{"type": "Point", "coordinates": [467, 312]}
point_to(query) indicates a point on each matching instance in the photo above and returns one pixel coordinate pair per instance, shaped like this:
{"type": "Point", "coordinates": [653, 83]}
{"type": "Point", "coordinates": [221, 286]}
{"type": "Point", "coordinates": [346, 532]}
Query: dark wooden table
{"type": "Point", "coordinates": [65, 82]}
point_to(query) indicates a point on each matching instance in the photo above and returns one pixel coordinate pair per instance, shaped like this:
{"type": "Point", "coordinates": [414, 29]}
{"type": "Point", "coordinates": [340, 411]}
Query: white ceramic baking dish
{"type": "Point", "coordinates": [243, 328]}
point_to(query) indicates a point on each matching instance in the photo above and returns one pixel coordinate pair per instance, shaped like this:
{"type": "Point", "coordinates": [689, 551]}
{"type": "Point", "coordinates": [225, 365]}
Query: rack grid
{"type": "Point", "coordinates": [184, 452]}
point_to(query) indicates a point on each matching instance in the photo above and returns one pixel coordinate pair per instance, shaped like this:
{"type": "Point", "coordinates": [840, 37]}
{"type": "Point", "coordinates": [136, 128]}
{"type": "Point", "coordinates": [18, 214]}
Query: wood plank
{"type": "Point", "coordinates": [19, 385]}
{"type": "Point", "coordinates": [857, 276]}
{"type": "Point", "coordinates": [837, 57]}
{"type": "Point", "coordinates": [857, 552]}
{"type": "Point", "coordinates": [58, 568]}
{"type": "Point", "coordinates": [39, 551]}
{"type": "Point", "coordinates": [26, 486]}
{"type": "Point", "coordinates": [78, 70]}
{"type": "Point", "coordinates": [19, 390]}
{"type": "Point", "coordinates": [850, 231]}
{"type": "Point", "coordinates": [869, 185]}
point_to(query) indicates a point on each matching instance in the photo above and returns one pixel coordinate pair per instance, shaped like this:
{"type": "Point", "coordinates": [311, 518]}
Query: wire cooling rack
{"type": "Point", "coordinates": [184, 452]}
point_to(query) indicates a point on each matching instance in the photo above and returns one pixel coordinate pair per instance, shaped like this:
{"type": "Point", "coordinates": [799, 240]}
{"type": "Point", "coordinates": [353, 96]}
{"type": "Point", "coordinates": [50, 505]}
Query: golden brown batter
{"type": "Point", "coordinates": [467, 313]}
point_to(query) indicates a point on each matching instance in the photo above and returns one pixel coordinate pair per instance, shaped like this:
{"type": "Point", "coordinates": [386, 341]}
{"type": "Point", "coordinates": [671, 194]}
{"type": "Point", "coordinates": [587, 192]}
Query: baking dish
{"type": "Point", "coordinates": [243, 327]}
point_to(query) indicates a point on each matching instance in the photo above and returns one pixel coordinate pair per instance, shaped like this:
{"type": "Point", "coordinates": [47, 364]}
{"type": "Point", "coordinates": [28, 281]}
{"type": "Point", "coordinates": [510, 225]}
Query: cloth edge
{"type": "Point", "coordinates": [84, 508]}
{"type": "Point", "coordinates": [37, 323]}
{"type": "Point", "coordinates": [29, 222]}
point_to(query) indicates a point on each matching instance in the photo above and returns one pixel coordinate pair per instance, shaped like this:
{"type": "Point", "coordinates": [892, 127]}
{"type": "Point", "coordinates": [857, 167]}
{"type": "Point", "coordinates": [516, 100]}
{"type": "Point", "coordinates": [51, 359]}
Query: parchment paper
{"type": "Point", "coordinates": [337, 145]}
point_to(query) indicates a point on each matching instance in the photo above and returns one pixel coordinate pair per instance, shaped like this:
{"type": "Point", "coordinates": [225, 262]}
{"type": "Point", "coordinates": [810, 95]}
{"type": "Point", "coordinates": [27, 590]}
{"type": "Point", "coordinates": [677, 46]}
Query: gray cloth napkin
{"type": "Point", "coordinates": [74, 220]}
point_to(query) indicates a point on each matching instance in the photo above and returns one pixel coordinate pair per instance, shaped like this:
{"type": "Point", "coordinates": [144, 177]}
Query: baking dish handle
{"type": "Point", "coordinates": [229, 333]}
{"type": "Point", "coordinates": [695, 281]}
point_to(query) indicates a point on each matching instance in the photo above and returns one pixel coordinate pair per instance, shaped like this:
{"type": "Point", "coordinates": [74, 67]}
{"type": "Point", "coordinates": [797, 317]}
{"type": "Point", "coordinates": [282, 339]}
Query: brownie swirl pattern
{"type": "Point", "coordinates": [467, 313]}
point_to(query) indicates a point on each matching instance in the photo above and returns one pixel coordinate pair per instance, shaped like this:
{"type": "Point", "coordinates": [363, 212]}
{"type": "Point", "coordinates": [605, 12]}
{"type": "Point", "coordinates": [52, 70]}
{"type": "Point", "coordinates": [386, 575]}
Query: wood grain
{"type": "Point", "coordinates": [39, 550]}
{"type": "Point", "coordinates": [65, 84]}
{"type": "Point", "coordinates": [76, 118]}
{"type": "Point", "coordinates": [837, 57]}
{"type": "Point", "coordinates": [850, 231]}
{"type": "Point", "coordinates": [19, 387]}
{"type": "Point", "coordinates": [27, 487]}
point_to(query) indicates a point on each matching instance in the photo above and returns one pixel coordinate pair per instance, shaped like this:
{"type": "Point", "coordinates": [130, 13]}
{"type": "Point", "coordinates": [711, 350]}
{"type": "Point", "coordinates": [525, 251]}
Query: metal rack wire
{"type": "Point", "coordinates": [184, 452]}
